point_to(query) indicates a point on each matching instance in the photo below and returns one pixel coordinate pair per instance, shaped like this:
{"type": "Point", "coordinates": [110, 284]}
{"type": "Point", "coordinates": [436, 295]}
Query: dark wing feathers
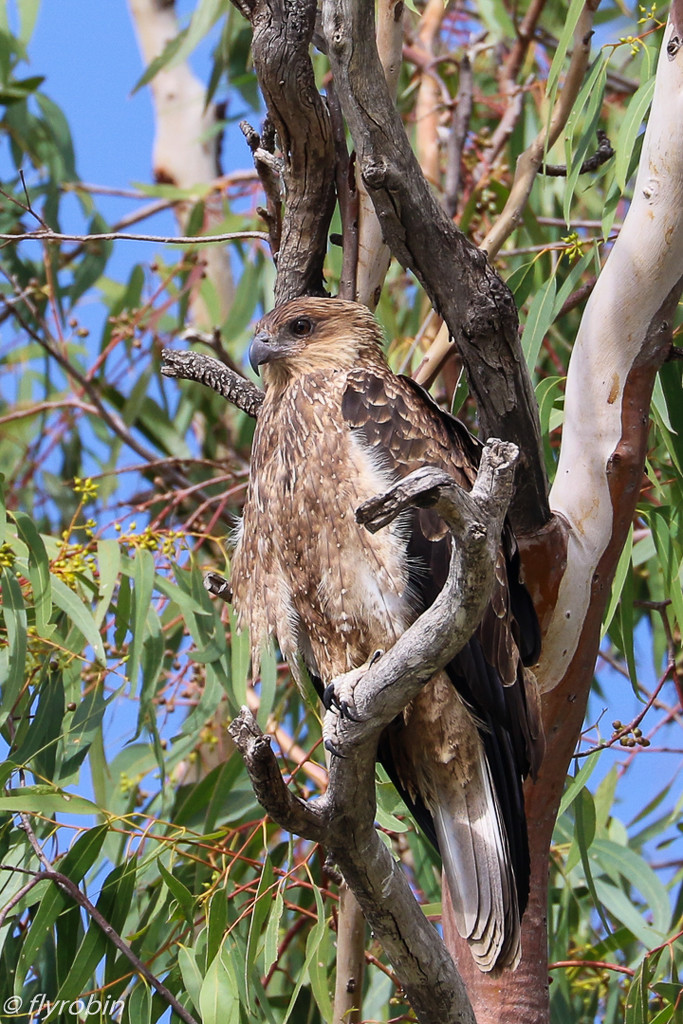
{"type": "Point", "coordinates": [396, 418]}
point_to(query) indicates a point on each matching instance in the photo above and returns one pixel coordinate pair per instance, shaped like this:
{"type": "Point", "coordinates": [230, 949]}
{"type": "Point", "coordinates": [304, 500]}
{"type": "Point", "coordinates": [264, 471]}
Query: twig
{"type": "Point", "coordinates": [40, 407]}
{"type": "Point", "coordinates": [19, 895]}
{"type": "Point", "coordinates": [513, 93]}
{"type": "Point", "coordinates": [528, 165]}
{"type": "Point", "coordinates": [221, 183]}
{"type": "Point", "coordinates": [596, 965]}
{"type": "Point", "coordinates": [111, 419]}
{"type": "Point", "coordinates": [626, 729]}
{"type": "Point", "coordinates": [532, 158]}
{"type": "Point", "coordinates": [215, 375]}
{"type": "Point", "coordinates": [82, 900]}
{"type": "Point", "coordinates": [27, 827]}
{"type": "Point", "coordinates": [603, 153]}
{"type": "Point", "coordinates": [457, 136]}
{"type": "Point", "coordinates": [347, 196]}
{"type": "Point", "coordinates": [48, 235]}
{"type": "Point", "coordinates": [578, 297]}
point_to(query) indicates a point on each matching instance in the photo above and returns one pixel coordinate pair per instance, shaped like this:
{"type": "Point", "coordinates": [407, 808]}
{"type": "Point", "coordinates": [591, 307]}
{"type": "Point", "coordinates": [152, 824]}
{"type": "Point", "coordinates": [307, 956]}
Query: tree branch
{"type": "Point", "coordinates": [283, 32]}
{"type": "Point", "coordinates": [343, 819]}
{"type": "Point", "coordinates": [509, 88]}
{"type": "Point", "coordinates": [463, 288]}
{"type": "Point", "coordinates": [265, 163]}
{"type": "Point", "coordinates": [48, 235]}
{"type": "Point", "coordinates": [215, 375]}
{"type": "Point", "coordinates": [71, 889]}
{"type": "Point", "coordinates": [136, 963]}
{"type": "Point", "coordinates": [457, 136]}
{"type": "Point", "coordinates": [603, 153]}
{"type": "Point", "coordinates": [618, 350]}
{"type": "Point", "coordinates": [374, 254]}
{"type": "Point", "coordinates": [348, 993]}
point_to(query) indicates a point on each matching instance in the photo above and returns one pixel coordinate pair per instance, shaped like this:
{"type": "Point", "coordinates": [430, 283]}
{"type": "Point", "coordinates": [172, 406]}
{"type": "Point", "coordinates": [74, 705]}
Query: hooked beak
{"type": "Point", "coordinates": [262, 350]}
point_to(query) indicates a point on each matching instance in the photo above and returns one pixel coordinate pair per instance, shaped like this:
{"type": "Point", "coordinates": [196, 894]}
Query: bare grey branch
{"type": "Point", "coordinates": [215, 375]}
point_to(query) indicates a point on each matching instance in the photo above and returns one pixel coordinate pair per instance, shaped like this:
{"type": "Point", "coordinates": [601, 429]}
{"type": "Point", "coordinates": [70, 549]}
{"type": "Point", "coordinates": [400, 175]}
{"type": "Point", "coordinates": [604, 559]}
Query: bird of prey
{"type": "Point", "coordinates": [336, 428]}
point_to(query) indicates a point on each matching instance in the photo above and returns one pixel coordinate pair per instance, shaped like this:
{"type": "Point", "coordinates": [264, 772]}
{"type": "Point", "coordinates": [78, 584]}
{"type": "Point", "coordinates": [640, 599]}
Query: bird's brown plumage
{"type": "Point", "coordinates": [336, 428]}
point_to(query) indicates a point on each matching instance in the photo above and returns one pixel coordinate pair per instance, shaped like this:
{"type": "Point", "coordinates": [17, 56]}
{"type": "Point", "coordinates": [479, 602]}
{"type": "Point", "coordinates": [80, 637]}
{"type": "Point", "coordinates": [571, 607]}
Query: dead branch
{"type": "Point", "coordinates": [215, 375]}
{"type": "Point", "coordinates": [457, 136]}
{"type": "Point", "coordinates": [262, 150]}
{"type": "Point", "coordinates": [603, 153]}
{"type": "Point", "coordinates": [48, 235]}
{"type": "Point", "coordinates": [343, 819]}
{"type": "Point", "coordinates": [283, 32]}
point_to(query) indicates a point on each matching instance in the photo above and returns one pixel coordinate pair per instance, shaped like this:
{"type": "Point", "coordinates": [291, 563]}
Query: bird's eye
{"type": "Point", "coordinates": [301, 327]}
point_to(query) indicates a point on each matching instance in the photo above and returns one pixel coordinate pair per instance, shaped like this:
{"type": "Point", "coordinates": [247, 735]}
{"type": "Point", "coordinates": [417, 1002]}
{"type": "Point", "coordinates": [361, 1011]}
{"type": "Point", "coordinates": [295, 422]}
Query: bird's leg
{"type": "Point", "coordinates": [339, 693]}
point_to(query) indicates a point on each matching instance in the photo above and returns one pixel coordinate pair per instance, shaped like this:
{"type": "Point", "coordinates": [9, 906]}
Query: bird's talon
{"type": "Point", "coordinates": [346, 712]}
{"type": "Point", "coordinates": [330, 747]}
{"type": "Point", "coordinates": [330, 698]}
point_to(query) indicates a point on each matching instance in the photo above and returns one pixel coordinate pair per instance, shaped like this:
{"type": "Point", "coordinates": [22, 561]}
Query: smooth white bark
{"type": "Point", "coordinates": [643, 267]}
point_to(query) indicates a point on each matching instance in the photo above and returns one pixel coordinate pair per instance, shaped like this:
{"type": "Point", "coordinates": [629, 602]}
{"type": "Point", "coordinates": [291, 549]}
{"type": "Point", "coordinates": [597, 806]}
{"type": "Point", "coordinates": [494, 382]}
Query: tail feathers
{"type": "Point", "coordinates": [476, 860]}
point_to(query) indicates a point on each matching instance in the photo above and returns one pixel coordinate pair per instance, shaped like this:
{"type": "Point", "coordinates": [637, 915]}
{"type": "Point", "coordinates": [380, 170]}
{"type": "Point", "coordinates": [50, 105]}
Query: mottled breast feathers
{"type": "Point", "coordinates": [336, 428]}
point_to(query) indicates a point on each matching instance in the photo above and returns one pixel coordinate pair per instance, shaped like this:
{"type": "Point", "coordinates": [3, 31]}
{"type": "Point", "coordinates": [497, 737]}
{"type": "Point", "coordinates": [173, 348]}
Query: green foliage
{"type": "Point", "coordinates": [611, 914]}
{"type": "Point", "coordinates": [173, 863]}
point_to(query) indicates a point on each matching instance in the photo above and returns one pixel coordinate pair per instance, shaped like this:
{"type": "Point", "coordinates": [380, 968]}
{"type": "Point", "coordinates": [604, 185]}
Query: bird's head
{"type": "Point", "coordinates": [309, 334]}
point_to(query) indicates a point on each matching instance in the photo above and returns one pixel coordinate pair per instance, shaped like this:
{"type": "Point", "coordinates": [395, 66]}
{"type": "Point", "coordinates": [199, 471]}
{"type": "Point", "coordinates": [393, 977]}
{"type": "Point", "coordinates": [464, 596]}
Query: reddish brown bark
{"type": "Point", "coordinates": [524, 994]}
